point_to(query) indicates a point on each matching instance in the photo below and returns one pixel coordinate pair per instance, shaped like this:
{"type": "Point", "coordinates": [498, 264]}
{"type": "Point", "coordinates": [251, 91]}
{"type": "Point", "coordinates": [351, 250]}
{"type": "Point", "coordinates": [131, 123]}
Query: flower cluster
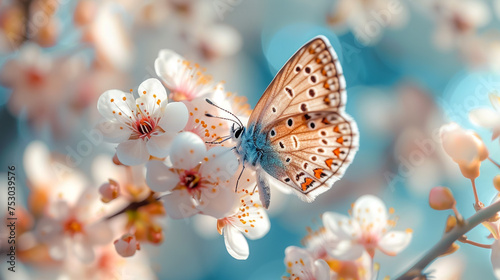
{"type": "Point", "coordinates": [344, 248]}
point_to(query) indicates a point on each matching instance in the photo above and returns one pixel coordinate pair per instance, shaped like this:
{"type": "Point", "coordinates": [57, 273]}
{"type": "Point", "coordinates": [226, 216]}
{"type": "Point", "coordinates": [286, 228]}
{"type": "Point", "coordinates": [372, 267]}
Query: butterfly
{"type": "Point", "coordinates": [298, 137]}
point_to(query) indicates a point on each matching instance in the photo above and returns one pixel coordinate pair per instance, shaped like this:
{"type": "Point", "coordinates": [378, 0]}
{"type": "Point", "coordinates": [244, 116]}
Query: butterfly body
{"type": "Point", "coordinates": [298, 137]}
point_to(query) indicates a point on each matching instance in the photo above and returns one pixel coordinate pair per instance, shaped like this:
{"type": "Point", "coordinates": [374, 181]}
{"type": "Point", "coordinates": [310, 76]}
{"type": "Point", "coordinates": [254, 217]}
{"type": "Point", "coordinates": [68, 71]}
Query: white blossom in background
{"type": "Point", "coordinates": [487, 117]}
{"type": "Point", "coordinates": [300, 264]}
{"type": "Point", "coordinates": [197, 179]}
{"type": "Point", "coordinates": [368, 229]}
{"type": "Point", "coordinates": [248, 219]}
{"type": "Point", "coordinates": [185, 80]}
{"type": "Point", "coordinates": [73, 229]}
{"type": "Point", "coordinates": [368, 19]}
{"type": "Point", "coordinates": [143, 126]}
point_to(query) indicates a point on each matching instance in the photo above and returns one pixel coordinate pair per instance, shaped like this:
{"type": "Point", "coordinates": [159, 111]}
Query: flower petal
{"type": "Point", "coordinates": [159, 177]}
{"type": "Point", "coordinates": [485, 117]}
{"type": "Point", "coordinates": [347, 250]}
{"type": "Point", "coordinates": [321, 270]}
{"type": "Point", "coordinates": [188, 150]}
{"type": "Point", "coordinates": [116, 105]}
{"type": "Point", "coordinates": [132, 152]}
{"type": "Point", "coordinates": [394, 242]}
{"type": "Point", "coordinates": [495, 258]}
{"type": "Point", "coordinates": [168, 67]}
{"type": "Point", "coordinates": [174, 117]}
{"type": "Point", "coordinates": [220, 165]}
{"type": "Point", "coordinates": [99, 233]}
{"type": "Point", "coordinates": [255, 223]}
{"type": "Point", "coordinates": [340, 226]}
{"type": "Point", "coordinates": [159, 145]}
{"type": "Point", "coordinates": [495, 101]}
{"type": "Point", "coordinates": [236, 244]}
{"type": "Point", "coordinates": [57, 249]}
{"type": "Point", "coordinates": [113, 131]}
{"type": "Point", "coordinates": [371, 213]}
{"type": "Point", "coordinates": [218, 202]}
{"type": "Point", "coordinates": [82, 250]}
{"type": "Point", "coordinates": [180, 204]}
{"type": "Point", "coordinates": [151, 96]}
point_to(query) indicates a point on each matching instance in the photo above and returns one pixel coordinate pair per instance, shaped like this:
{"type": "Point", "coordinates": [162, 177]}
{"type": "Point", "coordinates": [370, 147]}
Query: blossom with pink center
{"type": "Point", "coordinates": [300, 264]}
{"type": "Point", "coordinates": [184, 80]}
{"type": "Point", "coordinates": [367, 230]}
{"type": "Point", "coordinates": [144, 126]}
{"type": "Point", "coordinates": [40, 83]}
{"type": "Point", "coordinates": [197, 179]}
{"type": "Point", "coordinates": [248, 219]}
{"type": "Point", "coordinates": [67, 227]}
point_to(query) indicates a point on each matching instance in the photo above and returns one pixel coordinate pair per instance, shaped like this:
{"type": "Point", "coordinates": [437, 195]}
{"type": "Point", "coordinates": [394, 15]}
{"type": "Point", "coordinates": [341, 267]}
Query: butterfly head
{"type": "Point", "coordinates": [236, 132]}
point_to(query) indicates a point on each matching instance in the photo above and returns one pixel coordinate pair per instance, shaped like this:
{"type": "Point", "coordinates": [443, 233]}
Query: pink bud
{"type": "Point", "coordinates": [441, 198]}
{"type": "Point", "coordinates": [127, 245]}
{"type": "Point", "coordinates": [109, 191]}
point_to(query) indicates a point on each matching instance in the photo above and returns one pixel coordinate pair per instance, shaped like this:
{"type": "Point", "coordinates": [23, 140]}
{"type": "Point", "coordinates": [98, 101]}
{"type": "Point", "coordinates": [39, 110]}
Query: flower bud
{"type": "Point", "coordinates": [155, 234]}
{"type": "Point", "coordinates": [470, 170]}
{"type": "Point", "coordinates": [84, 12]}
{"type": "Point", "coordinates": [109, 191]}
{"type": "Point", "coordinates": [441, 198]}
{"type": "Point", "coordinates": [496, 182]}
{"type": "Point", "coordinates": [127, 245]}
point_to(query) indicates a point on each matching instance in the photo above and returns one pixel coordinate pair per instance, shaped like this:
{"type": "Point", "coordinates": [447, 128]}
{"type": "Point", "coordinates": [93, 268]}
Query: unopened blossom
{"type": "Point", "coordinates": [248, 219]}
{"type": "Point", "coordinates": [197, 179]}
{"type": "Point", "coordinates": [488, 118]}
{"type": "Point", "coordinates": [368, 229]}
{"type": "Point", "coordinates": [127, 245]}
{"type": "Point", "coordinates": [463, 146]}
{"type": "Point", "coordinates": [109, 191]}
{"type": "Point", "coordinates": [441, 198]}
{"type": "Point", "coordinates": [72, 228]}
{"type": "Point", "coordinates": [185, 80]}
{"type": "Point", "coordinates": [143, 126]}
{"type": "Point", "coordinates": [300, 264]}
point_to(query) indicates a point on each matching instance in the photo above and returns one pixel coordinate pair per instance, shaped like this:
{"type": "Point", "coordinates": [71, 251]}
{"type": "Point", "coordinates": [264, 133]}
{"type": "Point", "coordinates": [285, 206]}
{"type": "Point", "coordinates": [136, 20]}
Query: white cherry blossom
{"type": "Point", "coordinates": [368, 229]}
{"type": "Point", "coordinates": [144, 126]}
{"type": "Point", "coordinates": [487, 117]}
{"type": "Point", "coordinates": [197, 179]}
{"type": "Point", "coordinates": [300, 264]}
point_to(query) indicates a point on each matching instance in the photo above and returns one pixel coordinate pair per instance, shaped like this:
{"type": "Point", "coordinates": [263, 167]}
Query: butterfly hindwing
{"type": "Point", "coordinates": [311, 80]}
{"type": "Point", "coordinates": [315, 149]}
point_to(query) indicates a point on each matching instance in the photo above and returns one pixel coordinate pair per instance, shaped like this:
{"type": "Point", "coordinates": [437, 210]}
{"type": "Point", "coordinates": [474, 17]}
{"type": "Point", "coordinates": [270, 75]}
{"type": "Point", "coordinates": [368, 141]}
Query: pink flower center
{"type": "Point", "coordinates": [34, 77]}
{"type": "Point", "coordinates": [190, 179]}
{"type": "Point", "coordinates": [72, 226]}
{"type": "Point", "coordinates": [145, 127]}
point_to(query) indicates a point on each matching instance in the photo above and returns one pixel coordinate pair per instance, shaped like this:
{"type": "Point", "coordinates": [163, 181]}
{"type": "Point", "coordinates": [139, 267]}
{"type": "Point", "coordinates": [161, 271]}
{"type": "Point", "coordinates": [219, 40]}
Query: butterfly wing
{"type": "Point", "coordinates": [302, 115]}
{"type": "Point", "coordinates": [315, 148]}
{"type": "Point", "coordinates": [313, 76]}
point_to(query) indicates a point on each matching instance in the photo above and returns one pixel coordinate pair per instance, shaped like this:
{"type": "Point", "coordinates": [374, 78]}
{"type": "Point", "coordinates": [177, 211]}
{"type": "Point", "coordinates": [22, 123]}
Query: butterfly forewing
{"type": "Point", "coordinates": [311, 80]}
{"type": "Point", "coordinates": [310, 139]}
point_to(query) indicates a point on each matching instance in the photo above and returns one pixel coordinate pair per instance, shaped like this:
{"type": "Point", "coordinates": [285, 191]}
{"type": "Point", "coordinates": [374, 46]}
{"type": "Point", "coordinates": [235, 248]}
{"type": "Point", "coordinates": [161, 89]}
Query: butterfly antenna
{"type": "Point", "coordinates": [213, 104]}
{"type": "Point", "coordinates": [217, 117]}
{"type": "Point", "coordinates": [239, 177]}
{"type": "Point", "coordinates": [218, 141]}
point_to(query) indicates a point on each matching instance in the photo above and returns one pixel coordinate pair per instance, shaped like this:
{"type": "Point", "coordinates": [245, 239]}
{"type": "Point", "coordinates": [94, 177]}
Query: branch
{"type": "Point", "coordinates": [448, 239]}
{"type": "Point", "coordinates": [136, 205]}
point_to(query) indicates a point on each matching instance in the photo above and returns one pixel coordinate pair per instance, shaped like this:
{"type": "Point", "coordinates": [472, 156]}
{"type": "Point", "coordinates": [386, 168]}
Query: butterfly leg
{"type": "Point", "coordinates": [264, 191]}
{"type": "Point", "coordinates": [239, 177]}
